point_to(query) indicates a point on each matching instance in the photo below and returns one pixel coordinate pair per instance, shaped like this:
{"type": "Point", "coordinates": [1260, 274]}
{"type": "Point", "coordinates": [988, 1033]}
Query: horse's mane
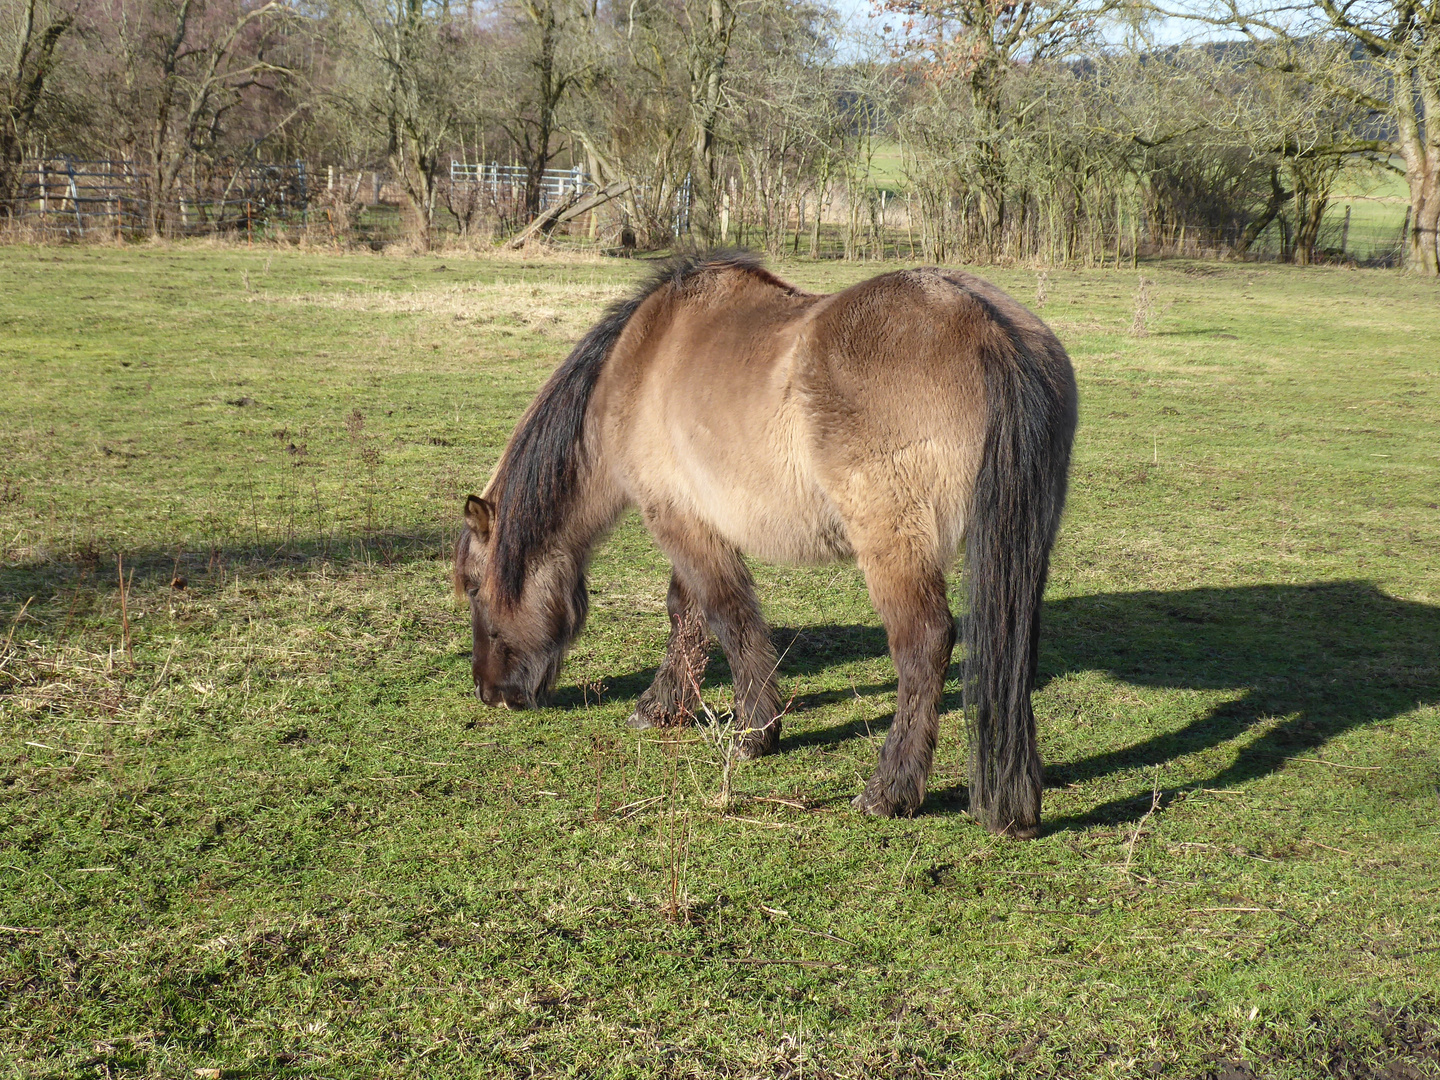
{"type": "Point", "coordinates": [537, 478]}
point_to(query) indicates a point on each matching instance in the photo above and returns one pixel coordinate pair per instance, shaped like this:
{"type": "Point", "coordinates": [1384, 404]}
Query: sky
{"type": "Point", "coordinates": [859, 18]}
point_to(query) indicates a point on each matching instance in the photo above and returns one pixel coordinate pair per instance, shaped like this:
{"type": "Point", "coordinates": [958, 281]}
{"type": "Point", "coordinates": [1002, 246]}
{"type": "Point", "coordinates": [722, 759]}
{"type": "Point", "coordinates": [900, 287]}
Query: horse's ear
{"type": "Point", "coordinates": [479, 515]}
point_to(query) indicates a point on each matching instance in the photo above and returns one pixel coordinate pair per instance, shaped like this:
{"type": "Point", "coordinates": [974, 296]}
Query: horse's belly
{"type": "Point", "coordinates": [780, 524]}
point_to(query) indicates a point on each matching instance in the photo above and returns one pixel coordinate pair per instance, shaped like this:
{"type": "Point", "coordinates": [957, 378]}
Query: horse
{"type": "Point", "coordinates": [888, 424]}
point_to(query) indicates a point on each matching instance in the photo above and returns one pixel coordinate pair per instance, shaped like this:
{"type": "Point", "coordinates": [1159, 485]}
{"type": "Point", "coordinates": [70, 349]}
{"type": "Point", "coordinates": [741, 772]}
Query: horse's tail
{"type": "Point", "coordinates": [1014, 514]}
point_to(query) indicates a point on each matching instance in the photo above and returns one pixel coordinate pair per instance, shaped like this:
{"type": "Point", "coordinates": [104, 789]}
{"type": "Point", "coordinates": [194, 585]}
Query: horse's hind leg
{"type": "Point", "coordinates": [911, 602]}
{"type": "Point", "coordinates": [712, 572]}
{"type": "Point", "coordinates": [672, 697]}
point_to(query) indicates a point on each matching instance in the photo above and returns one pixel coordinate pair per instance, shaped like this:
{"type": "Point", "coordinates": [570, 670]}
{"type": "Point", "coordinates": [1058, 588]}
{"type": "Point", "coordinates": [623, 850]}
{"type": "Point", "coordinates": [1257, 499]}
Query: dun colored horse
{"type": "Point", "coordinates": [890, 423]}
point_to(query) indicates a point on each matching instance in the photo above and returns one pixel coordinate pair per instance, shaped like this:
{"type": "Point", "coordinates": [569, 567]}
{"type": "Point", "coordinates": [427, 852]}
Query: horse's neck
{"type": "Point", "coordinates": [597, 505]}
{"type": "Point", "coordinates": [591, 512]}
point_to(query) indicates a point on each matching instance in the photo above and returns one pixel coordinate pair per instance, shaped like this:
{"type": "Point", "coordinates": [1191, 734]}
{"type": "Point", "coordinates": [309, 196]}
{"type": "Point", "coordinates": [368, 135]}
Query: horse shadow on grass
{"type": "Point", "coordinates": [1306, 662]}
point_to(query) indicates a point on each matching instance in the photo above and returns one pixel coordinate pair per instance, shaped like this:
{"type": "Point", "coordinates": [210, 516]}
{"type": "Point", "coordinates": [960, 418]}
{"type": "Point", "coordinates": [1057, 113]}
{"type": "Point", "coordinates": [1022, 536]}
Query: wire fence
{"type": "Point", "coordinates": [1364, 231]}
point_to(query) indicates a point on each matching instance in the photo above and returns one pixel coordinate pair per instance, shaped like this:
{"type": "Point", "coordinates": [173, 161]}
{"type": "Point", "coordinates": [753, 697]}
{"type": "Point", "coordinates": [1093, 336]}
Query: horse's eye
{"type": "Point", "coordinates": [471, 592]}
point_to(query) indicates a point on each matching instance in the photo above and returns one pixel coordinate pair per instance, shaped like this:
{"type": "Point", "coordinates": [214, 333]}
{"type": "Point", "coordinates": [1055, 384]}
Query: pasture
{"type": "Point", "coordinates": [252, 821]}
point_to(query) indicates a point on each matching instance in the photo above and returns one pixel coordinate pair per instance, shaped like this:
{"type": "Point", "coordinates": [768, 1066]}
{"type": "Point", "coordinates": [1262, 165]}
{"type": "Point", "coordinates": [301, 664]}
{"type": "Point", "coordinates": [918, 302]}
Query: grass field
{"type": "Point", "coordinates": [257, 825]}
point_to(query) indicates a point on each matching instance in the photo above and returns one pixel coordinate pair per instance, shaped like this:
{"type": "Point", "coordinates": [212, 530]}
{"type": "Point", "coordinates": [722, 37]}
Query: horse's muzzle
{"type": "Point", "coordinates": [501, 697]}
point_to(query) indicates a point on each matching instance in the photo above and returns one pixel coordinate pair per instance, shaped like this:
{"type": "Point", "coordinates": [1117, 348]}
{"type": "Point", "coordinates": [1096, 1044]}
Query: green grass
{"type": "Point", "coordinates": [283, 840]}
{"type": "Point", "coordinates": [1379, 203]}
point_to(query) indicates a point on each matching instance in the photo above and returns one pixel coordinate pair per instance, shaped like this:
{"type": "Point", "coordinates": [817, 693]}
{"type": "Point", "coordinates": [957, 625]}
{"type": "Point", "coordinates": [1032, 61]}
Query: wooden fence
{"type": "Point", "coordinates": [71, 197]}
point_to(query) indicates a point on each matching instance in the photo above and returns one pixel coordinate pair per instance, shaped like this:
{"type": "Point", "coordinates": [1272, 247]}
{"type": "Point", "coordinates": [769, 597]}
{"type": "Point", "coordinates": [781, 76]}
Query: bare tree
{"type": "Point", "coordinates": [1225, 144]}
{"type": "Point", "coordinates": [409, 68]}
{"type": "Point", "coordinates": [977, 44]}
{"type": "Point", "coordinates": [1382, 58]}
{"type": "Point", "coordinates": [544, 53]}
{"type": "Point", "coordinates": [710, 30]}
{"type": "Point", "coordinates": [31, 38]}
{"type": "Point", "coordinates": [777, 142]}
{"type": "Point", "coordinates": [166, 75]}
{"type": "Point", "coordinates": [630, 119]}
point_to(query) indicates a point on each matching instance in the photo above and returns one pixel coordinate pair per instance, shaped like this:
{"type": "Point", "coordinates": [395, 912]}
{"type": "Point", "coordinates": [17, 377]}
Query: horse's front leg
{"type": "Point", "coordinates": [672, 697]}
{"type": "Point", "coordinates": [921, 630]}
{"type": "Point", "coordinates": [713, 573]}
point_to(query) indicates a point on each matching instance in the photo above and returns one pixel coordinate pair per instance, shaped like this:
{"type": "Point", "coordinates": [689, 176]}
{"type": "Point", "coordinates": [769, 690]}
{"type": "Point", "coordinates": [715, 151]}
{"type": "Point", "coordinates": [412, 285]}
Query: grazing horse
{"type": "Point", "coordinates": [888, 424]}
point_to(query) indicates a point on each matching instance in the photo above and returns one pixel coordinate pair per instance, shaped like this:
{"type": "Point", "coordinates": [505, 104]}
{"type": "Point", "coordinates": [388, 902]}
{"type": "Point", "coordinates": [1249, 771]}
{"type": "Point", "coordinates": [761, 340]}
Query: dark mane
{"type": "Point", "coordinates": [536, 480]}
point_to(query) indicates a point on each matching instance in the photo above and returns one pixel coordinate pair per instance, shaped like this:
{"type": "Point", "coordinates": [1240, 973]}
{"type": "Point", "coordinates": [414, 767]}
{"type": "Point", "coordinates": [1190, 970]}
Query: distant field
{"type": "Point", "coordinates": [1369, 183]}
{"type": "Point", "coordinates": [251, 819]}
{"type": "Point", "coordinates": [1377, 202]}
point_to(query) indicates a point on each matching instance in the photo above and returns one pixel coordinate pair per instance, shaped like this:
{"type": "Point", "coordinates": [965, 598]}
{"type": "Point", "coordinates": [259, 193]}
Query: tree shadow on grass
{"type": "Point", "coordinates": [96, 567]}
{"type": "Point", "coordinates": [1309, 663]}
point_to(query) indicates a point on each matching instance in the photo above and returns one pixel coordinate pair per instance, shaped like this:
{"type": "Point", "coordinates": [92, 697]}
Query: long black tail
{"type": "Point", "coordinates": [1014, 514]}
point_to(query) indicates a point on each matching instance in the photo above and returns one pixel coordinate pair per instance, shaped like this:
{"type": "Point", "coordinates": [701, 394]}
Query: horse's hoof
{"type": "Point", "coordinates": [638, 722]}
{"type": "Point", "coordinates": [1017, 832]}
{"type": "Point", "coordinates": [865, 806]}
{"type": "Point", "coordinates": [877, 802]}
{"type": "Point", "coordinates": [1012, 830]}
{"type": "Point", "coordinates": [757, 742]}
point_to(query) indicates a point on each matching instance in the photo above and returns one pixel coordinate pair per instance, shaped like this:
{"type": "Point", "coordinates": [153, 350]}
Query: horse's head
{"type": "Point", "coordinates": [518, 641]}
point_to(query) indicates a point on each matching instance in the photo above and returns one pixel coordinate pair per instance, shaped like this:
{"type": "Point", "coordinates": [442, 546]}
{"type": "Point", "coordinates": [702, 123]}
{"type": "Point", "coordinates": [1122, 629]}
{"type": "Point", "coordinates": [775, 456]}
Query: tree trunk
{"type": "Point", "coordinates": [21, 93]}
{"type": "Point", "coordinates": [821, 186]}
{"type": "Point", "coordinates": [416, 172]}
{"type": "Point", "coordinates": [1423, 179]}
{"type": "Point", "coordinates": [1307, 229]}
{"type": "Point", "coordinates": [709, 48]}
{"type": "Point", "coordinates": [549, 92]}
{"type": "Point", "coordinates": [1252, 232]}
{"type": "Point", "coordinates": [1420, 148]}
{"type": "Point", "coordinates": [1309, 212]}
{"type": "Point", "coordinates": [985, 88]}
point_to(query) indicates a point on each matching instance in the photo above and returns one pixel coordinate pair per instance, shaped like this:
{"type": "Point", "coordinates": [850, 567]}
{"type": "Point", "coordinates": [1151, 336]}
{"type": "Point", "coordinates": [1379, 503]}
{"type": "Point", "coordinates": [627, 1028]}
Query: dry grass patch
{"type": "Point", "coordinates": [553, 309]}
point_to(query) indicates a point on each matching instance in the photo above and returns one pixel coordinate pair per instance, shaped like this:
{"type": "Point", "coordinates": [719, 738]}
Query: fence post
{"type": "Point", "coordinates": [375, 180]}
{"type": "Point", "coordinates": [1119, 227]}
{"type": "Point", "coordinates": [80, 222]}
{"type": "Point", "coordinates": [1345, 232]}
{"type": "Point", "coordinates": [303, 179]}
{"type": "Point", "coordinates": [1405, 238]}
{"type": "Point", "coordinates": [1135, 237]}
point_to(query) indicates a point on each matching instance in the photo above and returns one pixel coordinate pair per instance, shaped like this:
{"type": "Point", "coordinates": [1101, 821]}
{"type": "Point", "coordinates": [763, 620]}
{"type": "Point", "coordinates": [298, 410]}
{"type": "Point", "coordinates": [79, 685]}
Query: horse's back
{"type": "Point", "coordinates": [701, 420]}
{"type": "Point", "coordinates": [806, 428]}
